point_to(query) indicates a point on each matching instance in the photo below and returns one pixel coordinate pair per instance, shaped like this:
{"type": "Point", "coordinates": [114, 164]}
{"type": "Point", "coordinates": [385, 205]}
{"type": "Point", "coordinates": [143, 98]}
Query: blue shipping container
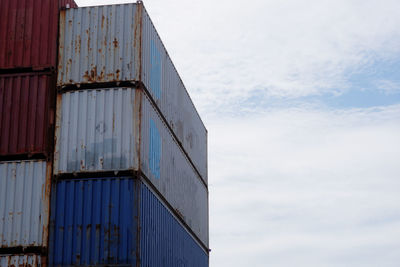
{"type": "Point", "coordinates": [117, 221]}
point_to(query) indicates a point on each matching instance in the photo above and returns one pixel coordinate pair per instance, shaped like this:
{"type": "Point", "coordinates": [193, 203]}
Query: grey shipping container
{"type": "Point", "coordinates": [119, 129]}
{"type": "Point", "coordinates": [118, 43]}
{"type": "Point", "coordinates": [24, 203]}
{"type": "Point", "coordinates": [21, 260]}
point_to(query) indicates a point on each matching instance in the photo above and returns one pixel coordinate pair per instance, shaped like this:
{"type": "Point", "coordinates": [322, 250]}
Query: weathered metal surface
{"type": "Point", "coordinates": [26, 113]}
{"type": "Point", "coordinates": [28, 33]}
{"type": "Point", "coordinates": [21, 260]}
{"type": "Point", "coordinates": [95, 131]}
{"type": "Point", "coordinates": [97, 44]}
{"type": "Point", "coordinates": [169, 93]}
{"type": "Point", "coordinates": [100, 130]}
{"type": "Point", "coordinates": [24, 203]}
{"type": "Point", "coordinates": [164, 163]}
{"type": "Point", "coordinates": [163, 240]}
{"type": "Point", "coordinates": [119, 43]}
{"type": "Point", "coordinates": [93, 222]}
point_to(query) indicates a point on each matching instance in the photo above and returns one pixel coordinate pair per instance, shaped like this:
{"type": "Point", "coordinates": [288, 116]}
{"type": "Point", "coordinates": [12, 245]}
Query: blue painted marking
{"type": "Point", "coordinates": [155, 150]}
{"type": "Point", "coordinates": [155, 70]}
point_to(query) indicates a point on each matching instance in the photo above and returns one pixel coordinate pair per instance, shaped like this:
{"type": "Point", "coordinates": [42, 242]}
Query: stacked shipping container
{"type": "Point", "coordinates": [28, 60]}
{"type": "Point", "coordinates": [131, 150]}
{"type": "Point", "coordinates": [130, 162]}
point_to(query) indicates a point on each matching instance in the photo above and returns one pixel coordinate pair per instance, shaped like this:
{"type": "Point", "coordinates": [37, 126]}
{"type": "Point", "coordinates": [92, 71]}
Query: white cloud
{"type": "Point", "coordinates": [225, 50]}
{"type": "Point", "coordinates": [388, 86]}
{"type": "Point", "coordinates": [306, 187]}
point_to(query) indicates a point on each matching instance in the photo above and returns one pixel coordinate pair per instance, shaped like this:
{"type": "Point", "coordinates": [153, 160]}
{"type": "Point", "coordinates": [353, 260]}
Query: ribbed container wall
{"type": "Point", "coordinates": [98, 44]}
{"type": "Point", "coordinates": [24, 203]}
{"type": "Point", "coordinates": [163, 162]}
{"type": "Point", "coordinates": [28, 33]}
{"type": "Point", "coordinates": [96, 130]}
{"type": "Point", "coordinates": [93, 222]}
{"type": "Point", "coordinates": [26, 113]}
{"type": "Point", "coordinates": [103, 45]}
{"type": "Point", "coordinates": [168, 91]}
{"type": "Point", "coordinates": [21, 260]}
{"type": "Point", "coordinates": [163, 241]}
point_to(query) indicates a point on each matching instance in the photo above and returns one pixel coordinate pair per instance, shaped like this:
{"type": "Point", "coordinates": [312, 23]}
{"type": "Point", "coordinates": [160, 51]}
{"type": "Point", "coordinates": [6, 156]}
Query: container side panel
{"type": "Point", "coordinates": [167, 167]}
{"type": "Point", "coordinates": [168, 91]}
{"type": "Point", "coordinates": [163, 240]}
{"type": "Point", "coordinates": [21, 260]}
{"type": "Point", "coordinates": [95, 131]}
{"type": "Point", "coordinates": [93, 222]}
{"type": "Point", "coordinates": [28, 33]}
{"type": "Point", "coordinates": [97, 44]}
{"type": "Point", "coordinates": [25, 114]}
{"type": "Point", "coordinates": [23, 204]}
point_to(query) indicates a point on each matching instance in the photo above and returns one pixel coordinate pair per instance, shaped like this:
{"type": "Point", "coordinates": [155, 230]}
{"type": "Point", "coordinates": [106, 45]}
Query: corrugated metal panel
{"type": "Point", "coordinates": [167, 90]}
{"type": "Point", "coordinates": [21, 260]}
{"type": "Point", "coordinates": [93, 222]}
{"type": "Point", "coordinates": [164, 163]}
{"type": "Point", "coordinates": [102, 44]}
{"type": "Point", "coordinates": [97, 44]}
{"type": "Point", "coordinates": [26, 113]}
{"type": "Point", "coordinates": [95, 131]}
{"type": "Point", "coordinates": [28, 33]}
{"type": "Point", "coordinates": [98, 130]}
{"type": "Point", "coordinates": [163, 240]}
{"type": "Point", "coordinates": [24, 203]}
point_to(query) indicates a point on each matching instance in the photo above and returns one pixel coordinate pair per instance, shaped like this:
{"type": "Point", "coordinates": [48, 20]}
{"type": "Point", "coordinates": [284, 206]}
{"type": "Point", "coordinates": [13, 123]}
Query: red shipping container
{"type": "Point", "coordinates": [29, 32]}
{"type": "Point", "coordinates": [26, 113]}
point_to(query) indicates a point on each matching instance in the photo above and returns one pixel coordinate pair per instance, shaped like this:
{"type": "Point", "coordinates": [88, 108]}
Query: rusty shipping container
{"type": "Point", "coordinates": [118, 43]}
{"type": "Point", "coordinates": [26, 113]}
{"type": "Point", "coordinates": [119, 129]}
{"type": "Point", "coordinates": [114, 221]}
{"type": "Point", "coordinates": [24, 203]}
{"type": "Point", "coordinates": [29, 32]}
{"type": "Point", "coordinates": [21, 260]}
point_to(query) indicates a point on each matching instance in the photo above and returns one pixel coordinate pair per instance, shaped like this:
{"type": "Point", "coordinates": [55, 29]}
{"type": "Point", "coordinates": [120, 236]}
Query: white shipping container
{"type": "Point", "coordinates": [118, 129]}
{"type": "Point", "coordinates": [21, 260]}
{"type": "Point", "coordinates": [118, 43]}
{"type": "Point", "coordinates": [24, 203]}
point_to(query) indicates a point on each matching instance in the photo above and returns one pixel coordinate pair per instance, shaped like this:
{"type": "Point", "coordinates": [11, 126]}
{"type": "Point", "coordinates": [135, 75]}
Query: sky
{"type": "Point", "coordinates": [301, 100]}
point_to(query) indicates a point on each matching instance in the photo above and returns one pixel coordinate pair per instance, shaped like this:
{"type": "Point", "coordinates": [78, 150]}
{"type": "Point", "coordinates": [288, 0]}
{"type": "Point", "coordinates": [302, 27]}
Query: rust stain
{"type": "Point", "coordinates": [117, 73]}
{"type": "Point", "coordinates": [115, 42]}
{"type": "Point", "coordinates": [93, 74]}
{"type": "Point", "coordinates": [102, 21]}
{"type": "Point", "coordinates": [101, 76]}
{"type": "Point", "coordinates": [78, 43]}
{"type": "Point", "coordinates": [88, 41]}
{"type": "Point", "coordinates": [82, 164]}
{"type": "Point", "coordinates": [86, 76]}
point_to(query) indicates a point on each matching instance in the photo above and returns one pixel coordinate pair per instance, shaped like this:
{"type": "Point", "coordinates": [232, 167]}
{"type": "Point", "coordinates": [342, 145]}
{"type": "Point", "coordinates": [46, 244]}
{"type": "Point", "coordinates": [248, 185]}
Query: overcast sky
{"type": "Point", "coordinates": [301, 100]}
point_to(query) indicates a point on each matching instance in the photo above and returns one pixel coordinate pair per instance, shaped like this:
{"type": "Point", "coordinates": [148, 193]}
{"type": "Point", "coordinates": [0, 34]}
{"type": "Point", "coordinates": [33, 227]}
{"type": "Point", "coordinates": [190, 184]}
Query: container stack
{"type": "Point", "coordinates": [28, 62]}
{"type": "Point", "coordinates": [130, 161]}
